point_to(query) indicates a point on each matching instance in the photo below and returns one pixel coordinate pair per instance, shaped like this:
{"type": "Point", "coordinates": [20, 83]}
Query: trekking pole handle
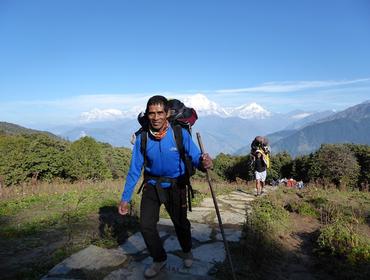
{"type": "Point", "coordinates": [200, 143]}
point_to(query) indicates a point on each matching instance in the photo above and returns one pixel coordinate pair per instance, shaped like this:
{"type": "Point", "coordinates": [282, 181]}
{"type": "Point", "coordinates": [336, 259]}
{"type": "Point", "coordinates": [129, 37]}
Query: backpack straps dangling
{"type": "Point", "coordinates": [177, 129]}
{"type": "Point", "coordinates": [144, 140]}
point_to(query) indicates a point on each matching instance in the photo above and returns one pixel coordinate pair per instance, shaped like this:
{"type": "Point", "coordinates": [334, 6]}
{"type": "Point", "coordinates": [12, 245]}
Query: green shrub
{"type": "Point", "coordinates": [338, 165]}
{"type": "Point", "coordinates": [318, 202]}
{"type": "Point", "coordinates": [85, 160]}
{"type": "Point", "coordinates": [341, 239]}
{"type": "Point", "coordinates": [268, 217]}
{"type": "Point", "coordinates": [306, 209]}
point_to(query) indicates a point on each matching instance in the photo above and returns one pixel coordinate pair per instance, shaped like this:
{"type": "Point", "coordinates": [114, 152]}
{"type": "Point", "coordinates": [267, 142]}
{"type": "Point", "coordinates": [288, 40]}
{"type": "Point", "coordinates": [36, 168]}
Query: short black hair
{"type": "Point", "coordinates": [157, 99]}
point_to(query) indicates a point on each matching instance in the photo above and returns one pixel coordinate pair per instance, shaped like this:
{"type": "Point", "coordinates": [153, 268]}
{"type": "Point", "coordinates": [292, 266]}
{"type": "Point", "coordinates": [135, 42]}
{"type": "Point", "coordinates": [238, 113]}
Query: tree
{"type": "Point", "coordinates": [229, 167]}
{"type": "Point", "coordinates": [117, 160]}
{"type": "Point", "coordinates": [85, 160]}
{"type": "Point", "coordinates": [12, 151]}
{"type": "Point", "coordinates": [362, 154]}
{"type": "Point", "coordinates": [301, 167]}
{"type": "Point", "coordinates": [281, 166]}
{"type": "Point", "coordinates": [44, 157]}
{"type": "Point", "coordinates": [338, 164]}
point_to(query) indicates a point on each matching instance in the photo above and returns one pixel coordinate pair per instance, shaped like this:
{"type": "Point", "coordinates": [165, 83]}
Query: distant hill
{"type": "Point", "coordinates": [219, 134]}
{"type": "Point", "coordinates": [14, 129]}
{"type": "Point", "coordinates": [301, 118]}
{"type": "Point", "coordinates": [311, 118]}
{"type": "Point", "coordinates": [349, 126]}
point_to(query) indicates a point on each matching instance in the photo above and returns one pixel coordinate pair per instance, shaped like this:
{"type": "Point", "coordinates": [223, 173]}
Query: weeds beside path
{"type": "Point", "coordinates": [310, 234]}
{"type": "Point", "coordinates": [289, 234]}
{"type": "Point", "coordinates": [42, 225]}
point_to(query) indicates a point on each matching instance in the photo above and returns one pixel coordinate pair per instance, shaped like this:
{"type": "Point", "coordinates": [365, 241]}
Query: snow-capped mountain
{"type": "Point", "coordinates": [224, 129]}
{"type": "Point", "coordinates": [199, 102]}
{"type": "Point", "coordinates": [250, 111]}
{"type": "Point", "coordinates": [204, 106]}
{"type": "Point", "coordinates": [98, 115]}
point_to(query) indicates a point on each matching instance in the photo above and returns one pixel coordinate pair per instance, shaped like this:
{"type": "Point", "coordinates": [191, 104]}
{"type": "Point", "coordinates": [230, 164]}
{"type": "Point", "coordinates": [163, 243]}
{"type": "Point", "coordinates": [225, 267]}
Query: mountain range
{"type": "Point", "coordinates": [349, 126]}
{"type": "Point", "coordinates": [223, 130]}
{"type": "Point", "coordinates": [231, 130]}
{"type": "Point", "coordinates": [14, 129]}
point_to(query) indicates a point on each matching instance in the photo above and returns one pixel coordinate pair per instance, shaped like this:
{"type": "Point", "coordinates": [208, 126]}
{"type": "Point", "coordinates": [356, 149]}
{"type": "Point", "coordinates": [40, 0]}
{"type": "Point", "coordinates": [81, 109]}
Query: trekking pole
{"type": "Point", "coordinates": [217, 210]}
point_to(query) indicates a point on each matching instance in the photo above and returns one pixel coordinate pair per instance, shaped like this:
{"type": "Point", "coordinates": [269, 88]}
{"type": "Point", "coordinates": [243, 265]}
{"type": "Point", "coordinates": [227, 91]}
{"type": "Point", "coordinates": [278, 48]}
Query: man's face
{"type": "Point", "coordinates": [157, 116]}
{"type": "Point", "coordinates": [258, 154]}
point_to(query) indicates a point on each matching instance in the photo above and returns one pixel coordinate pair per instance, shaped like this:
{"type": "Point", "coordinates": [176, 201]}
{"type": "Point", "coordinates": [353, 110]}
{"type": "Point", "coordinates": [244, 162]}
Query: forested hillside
{"type": "Point", "coordinates": [30, 157]}
{"type": "Point", "coordinates": [14, 129]}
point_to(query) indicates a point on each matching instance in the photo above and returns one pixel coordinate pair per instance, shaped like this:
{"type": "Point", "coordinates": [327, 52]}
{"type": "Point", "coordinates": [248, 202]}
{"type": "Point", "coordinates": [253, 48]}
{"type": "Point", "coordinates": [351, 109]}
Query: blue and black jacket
{"type": "Point", "coordinates": [162, 160]}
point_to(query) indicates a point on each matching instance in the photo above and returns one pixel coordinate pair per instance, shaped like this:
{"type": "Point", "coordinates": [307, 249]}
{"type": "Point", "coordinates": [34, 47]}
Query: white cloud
{"type": "Point", "coordinates": [98, 115]}
{"type": "Point", "coordinates": [108, 114]}
{"type": "Point", "coordinates": [272, 96]}
{"type": "Point", "coordinates": [272, 87]}
{"type": "Point", "coordinates": [301, 116]}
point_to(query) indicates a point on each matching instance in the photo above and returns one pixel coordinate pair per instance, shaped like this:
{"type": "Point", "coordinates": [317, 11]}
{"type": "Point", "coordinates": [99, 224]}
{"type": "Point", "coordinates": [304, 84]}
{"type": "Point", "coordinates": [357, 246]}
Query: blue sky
{"type": "Point", "coordinates": [59, 59]}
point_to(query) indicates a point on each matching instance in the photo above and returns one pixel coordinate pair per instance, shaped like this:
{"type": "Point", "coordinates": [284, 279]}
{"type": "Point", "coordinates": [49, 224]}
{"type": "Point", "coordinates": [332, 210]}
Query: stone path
{"type": "Point", "coordinates": [129, 260]}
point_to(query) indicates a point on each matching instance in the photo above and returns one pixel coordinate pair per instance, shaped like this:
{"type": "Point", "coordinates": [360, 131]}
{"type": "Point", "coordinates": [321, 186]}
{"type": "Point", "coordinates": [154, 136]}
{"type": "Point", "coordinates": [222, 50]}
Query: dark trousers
{"type": "Point", "coordinates": [174, 199]}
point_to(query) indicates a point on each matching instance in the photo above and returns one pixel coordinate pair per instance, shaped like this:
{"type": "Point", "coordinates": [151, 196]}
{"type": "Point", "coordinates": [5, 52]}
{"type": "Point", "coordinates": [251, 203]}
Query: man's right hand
{"type": "Point", "coordinates": [123, 208]}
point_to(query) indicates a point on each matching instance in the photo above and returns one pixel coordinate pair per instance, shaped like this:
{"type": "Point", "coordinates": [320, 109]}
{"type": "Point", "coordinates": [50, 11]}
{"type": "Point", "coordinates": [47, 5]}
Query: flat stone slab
{"type": "Point", "coordinates": [231, 218]}
{"type": "Point", "coordinates": [203, 208]}
{"type": "Point", "coordinates": [232, 204]}
{"type": "Point", "coordinates": [173, 270]}
{"type": "Point", "coordinates": [201, 232]}
{"type": "Point", "coordinates": [134, 244]}
{"type": "Point", "coordinates": [92, 258]}
{"type": "Point", "coordinates": [199, 216]}
{"type": "Point", "coordinates": [236, 197]}
{"type": "Point", "coordinates": [239, 211]}
{"type": "Point", "coordinates": [171, 244]}
{"type": "Point", "coordinates": [165, 222]}
{"type": "Point", "coordinates": [175, 264]}
{"type": "Point", "coordinates": [208, 203]}
{"type": "Point", "coordinates": [135, 271]}
{"type": "Point", "coordinates": [210, 253]}
{"type": "Point", "coordinates": [231, 235]}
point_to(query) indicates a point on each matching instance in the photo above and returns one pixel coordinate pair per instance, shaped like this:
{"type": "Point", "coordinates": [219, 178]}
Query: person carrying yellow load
{"type": "Point", "coordinates": [260, 152]}
{"type": "Point", "coordinates": [261, 143]}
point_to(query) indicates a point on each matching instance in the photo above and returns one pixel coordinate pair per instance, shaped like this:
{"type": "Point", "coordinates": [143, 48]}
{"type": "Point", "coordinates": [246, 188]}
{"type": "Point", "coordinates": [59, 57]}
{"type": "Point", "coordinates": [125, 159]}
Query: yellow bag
{"type": "Point", "coordinates": [265, 157]}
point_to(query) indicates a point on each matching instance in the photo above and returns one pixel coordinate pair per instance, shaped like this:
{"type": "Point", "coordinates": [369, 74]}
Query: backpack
{"type": "Point", "coordinates": [260, 144]}
{"type": "Point", "coordinates": [180, 117]}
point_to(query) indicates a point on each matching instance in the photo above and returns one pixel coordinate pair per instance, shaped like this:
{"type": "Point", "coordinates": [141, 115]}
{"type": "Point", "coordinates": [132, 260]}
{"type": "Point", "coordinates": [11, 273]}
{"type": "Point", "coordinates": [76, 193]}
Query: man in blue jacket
{"type": "Point", "coordinates": [164, 182]}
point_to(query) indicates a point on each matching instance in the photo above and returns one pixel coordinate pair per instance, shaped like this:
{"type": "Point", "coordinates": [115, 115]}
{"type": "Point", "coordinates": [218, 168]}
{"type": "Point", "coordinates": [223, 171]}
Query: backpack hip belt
{"type": "Point", "coordinates": [175, 182]}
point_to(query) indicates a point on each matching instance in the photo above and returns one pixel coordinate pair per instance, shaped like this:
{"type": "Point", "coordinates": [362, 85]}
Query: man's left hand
{"type": "Point", "coordinates": [207, 161]}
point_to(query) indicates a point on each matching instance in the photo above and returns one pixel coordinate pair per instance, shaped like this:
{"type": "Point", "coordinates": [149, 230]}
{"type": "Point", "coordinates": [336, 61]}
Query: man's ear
{"type": "Point", "coordinates": [168, 114]}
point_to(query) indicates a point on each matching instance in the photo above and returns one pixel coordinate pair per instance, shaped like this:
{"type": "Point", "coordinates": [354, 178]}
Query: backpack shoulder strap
{"type": "Point", "coordinates": [177, 130]}
{"type": "Point", "coordinates": [143, 141]}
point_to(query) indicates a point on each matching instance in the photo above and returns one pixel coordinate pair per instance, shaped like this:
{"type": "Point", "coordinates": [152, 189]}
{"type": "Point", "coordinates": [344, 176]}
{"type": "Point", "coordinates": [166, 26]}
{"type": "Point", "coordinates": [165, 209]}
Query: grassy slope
{"type": "Point", "coordinates": [41, 225]}
{"type": "Point", "coordinates": [310, 234]}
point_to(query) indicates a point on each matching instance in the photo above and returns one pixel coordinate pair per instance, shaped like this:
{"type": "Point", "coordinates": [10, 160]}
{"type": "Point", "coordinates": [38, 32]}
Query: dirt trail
{"type": "Point", "coordinates": [299, 262]}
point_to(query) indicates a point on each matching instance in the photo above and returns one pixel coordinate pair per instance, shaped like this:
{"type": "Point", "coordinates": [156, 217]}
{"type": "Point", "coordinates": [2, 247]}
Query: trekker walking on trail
{"type": "Point", "coordinates": [164, 182]}
{"type": "Point", "coordinates": [260, 172]}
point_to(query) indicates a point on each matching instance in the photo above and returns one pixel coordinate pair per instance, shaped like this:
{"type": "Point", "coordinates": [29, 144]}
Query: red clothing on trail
{"type": "Point", "coordinates": [291, 183]}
